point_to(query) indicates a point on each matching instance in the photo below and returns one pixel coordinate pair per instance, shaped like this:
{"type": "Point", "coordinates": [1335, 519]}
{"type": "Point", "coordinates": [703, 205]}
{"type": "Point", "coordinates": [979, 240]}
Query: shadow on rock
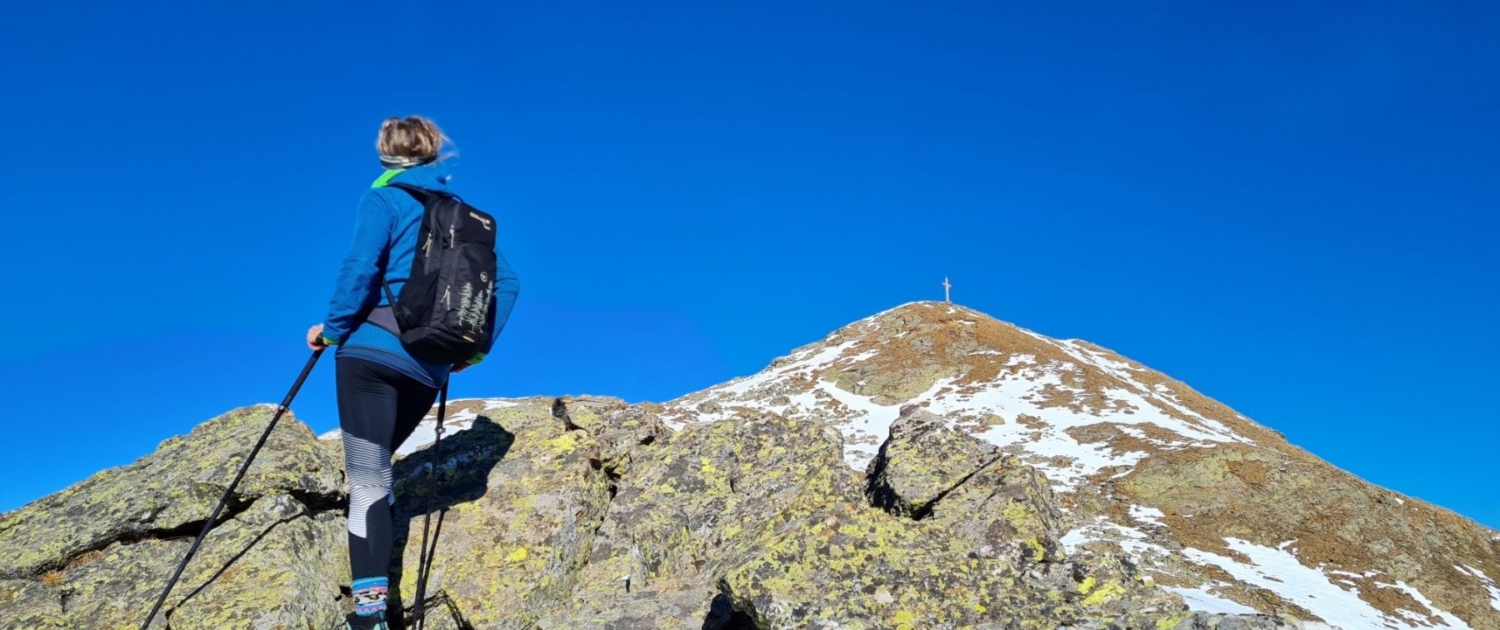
{"type": "Point", "coordinates": [237, 556]}
{"type": "Point", "coordinates": [723, 616]}
{"type": "Point", "coordinates": [462, 475]}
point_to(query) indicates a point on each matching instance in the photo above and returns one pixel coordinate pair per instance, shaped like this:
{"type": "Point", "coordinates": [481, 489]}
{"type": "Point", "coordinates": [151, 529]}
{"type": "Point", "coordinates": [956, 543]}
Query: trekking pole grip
{"type": "Point", "coordinates": [229, 491]}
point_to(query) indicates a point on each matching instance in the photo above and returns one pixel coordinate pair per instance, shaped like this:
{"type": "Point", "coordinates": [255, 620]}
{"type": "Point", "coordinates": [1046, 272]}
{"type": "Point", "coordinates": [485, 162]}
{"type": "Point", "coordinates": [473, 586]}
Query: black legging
{"type": "Point", "coordinates": [379, 408]}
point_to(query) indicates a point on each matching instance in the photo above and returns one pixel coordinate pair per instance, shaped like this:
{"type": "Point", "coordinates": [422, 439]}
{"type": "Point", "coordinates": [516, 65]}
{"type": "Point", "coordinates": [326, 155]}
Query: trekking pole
{"type": "Point", "coordinates": [229, 492]}
{"type": "Point", "coordinates": [424, 558]}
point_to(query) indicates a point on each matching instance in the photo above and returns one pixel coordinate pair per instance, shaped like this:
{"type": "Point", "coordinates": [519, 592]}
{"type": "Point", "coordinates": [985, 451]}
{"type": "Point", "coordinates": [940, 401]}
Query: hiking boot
{"type": "Point", "coordinates": [365, 622]}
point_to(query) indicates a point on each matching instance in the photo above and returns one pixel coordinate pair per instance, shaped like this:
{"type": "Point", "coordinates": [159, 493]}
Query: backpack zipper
{"type": "Point", "coordinates": [452, 243]}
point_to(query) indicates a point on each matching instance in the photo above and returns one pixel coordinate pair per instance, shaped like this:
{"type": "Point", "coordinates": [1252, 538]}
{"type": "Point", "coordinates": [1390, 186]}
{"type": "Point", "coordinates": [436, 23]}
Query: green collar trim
{"type": "Point", "coordinates": [386, 177]}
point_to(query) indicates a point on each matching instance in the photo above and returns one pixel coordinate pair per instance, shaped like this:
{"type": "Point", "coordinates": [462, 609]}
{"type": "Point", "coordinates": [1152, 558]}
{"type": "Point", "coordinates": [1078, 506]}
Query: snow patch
{"type": "Point", "coordinates": [1135, 543]}
{"type": "Point", "coordinates": [426, 431]}
{"type": "Point", "coordinates": [869, 427]}
{"type": "Point", "coordinates": [1199, 600]}
{"type": "Point", "coordinates": [1489, 584]}
{"type": "Point", "coordinates": [1115, 367]}
{"type": "Point", "coordinates": [1278, 570]}
{"type": "Point", "coordinates": [1139, 395]}
{"type": "Point", "coordinates": [1149, 515]}
{"type": "Point", "coordinates": [1421, 619]}
{"type": "Point", "coordinates": [1020, 359]}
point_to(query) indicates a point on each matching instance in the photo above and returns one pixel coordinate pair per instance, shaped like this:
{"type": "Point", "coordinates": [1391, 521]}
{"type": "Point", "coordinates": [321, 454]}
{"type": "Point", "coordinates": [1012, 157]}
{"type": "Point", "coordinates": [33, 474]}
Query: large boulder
{"type": "Point", "coordinates": [169, 493]}
{"type": "Point", "coordinates": [828, 558]}
{"type": "Point", "coordinates": [275, 565]}
{"type": "Point", "coordinates": [757, 522]}
{"type": "Point", "coordinates": [997, 506]}
{"type": "Point", "coordinates": [99, 553]}
{"type": "Point", "coordinates": [678, 516]}
{"type": "Point", "coordinates": [521, 494]}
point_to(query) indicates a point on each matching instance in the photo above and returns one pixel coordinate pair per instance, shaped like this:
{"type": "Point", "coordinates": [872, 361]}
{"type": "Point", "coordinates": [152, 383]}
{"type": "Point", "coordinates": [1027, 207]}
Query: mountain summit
{"type": "Point", "coordinates": [928, 467]}
{"type": "Point", "coordinates": [1211, 505]}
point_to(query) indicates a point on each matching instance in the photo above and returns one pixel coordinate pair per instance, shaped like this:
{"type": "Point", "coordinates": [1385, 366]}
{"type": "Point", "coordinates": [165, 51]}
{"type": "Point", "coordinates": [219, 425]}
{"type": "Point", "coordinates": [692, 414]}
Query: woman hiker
{"type": "Point", "coordinates": [383, 390]}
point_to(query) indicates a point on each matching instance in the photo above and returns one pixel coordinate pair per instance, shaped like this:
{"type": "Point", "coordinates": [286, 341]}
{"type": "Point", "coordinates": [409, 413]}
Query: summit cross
{"type": "Point", "coordinates": [947, 290]}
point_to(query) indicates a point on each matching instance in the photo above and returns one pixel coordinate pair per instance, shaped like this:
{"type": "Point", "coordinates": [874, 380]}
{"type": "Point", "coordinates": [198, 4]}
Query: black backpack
{"type": "Point", "coordinates": [446, 308]}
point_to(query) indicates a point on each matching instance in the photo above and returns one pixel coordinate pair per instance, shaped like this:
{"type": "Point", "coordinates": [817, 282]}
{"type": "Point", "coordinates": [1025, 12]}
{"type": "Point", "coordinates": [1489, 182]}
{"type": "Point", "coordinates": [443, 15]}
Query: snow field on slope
{"type": "Point", "coordinates": [1489, 584]}
{"type": "Point", "coordinates": [1278, 570]}
{"type": "Point", "coordinates": [865, 424]}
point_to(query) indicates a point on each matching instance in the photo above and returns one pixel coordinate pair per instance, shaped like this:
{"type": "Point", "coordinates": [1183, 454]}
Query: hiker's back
{"type": "Point", "coordinates": [412, 238]}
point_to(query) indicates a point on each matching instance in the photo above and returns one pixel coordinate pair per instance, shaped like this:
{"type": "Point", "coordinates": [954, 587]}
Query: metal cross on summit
{"type": "Point", "coordinates": [947, 290]}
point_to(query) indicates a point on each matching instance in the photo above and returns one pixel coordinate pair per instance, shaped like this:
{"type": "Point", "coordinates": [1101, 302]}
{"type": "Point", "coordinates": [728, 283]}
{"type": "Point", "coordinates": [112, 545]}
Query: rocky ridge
{"type": "Point", "coordinates": [928, 467]}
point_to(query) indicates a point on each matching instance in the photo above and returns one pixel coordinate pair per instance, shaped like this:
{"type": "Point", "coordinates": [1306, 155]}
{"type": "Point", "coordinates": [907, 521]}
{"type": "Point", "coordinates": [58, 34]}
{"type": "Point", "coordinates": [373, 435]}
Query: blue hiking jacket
{"type": "Point", "coordinates": [385, 241]}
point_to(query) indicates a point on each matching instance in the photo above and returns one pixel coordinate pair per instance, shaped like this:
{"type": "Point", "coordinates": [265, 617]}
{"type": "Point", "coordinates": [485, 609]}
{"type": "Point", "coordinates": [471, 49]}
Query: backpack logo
{"type": "Point", "coordinates": [482, 220]}
{"type": "Point", "coordinates": [472, 306]}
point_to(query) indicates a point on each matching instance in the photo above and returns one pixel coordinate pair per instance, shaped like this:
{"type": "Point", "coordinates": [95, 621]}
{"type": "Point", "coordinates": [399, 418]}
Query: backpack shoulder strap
{"type": "Point", "coordinates": [421, 195]}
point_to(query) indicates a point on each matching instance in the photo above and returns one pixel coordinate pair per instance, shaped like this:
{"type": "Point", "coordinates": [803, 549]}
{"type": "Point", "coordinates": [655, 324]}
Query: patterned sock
{"type": "Point", "coordinates": [369, 595]}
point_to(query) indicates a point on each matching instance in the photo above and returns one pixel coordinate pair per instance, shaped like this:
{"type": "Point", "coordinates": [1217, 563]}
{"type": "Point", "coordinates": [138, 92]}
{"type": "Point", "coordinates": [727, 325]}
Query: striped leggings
{"type": "Point", "coordinates": [379, 408]}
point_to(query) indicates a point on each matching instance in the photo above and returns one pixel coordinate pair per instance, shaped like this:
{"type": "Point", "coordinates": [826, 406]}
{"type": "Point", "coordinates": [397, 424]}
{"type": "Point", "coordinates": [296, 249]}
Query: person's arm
{"type": "Point", "coordinates": [507, 288]}
{"type": "Point", "coordinates": [357, 289]}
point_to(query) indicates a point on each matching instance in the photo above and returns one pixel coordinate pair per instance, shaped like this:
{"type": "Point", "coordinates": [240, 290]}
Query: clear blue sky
{"type": "Point", "coordinates": [1291, 207]}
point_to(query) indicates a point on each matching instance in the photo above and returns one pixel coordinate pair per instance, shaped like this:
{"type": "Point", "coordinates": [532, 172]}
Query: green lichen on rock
{"type": "Point", "coordinates": [589, 513]}
{"type": "Point", "coordinates": [29, 604]}
{"type": "Point", "coordinates": [274, 563]}
{"type": "Point", "coordinates": [826, 558]}
{"type": "Point", "coordinates": [761, 513]}
{"type": "Point", "coordinates": [997, 505]}
{"type": "Point", "coordinates": [512, 542]}
{"type": "Point", "coordinates": [163, 492]}
{"type": "Point", "coordinates": [662, 545]}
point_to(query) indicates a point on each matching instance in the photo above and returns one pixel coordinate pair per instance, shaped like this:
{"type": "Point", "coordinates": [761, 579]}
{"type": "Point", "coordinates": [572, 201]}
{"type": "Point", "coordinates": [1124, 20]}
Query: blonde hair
{"type": "Point", "coordinates": [414, 137]}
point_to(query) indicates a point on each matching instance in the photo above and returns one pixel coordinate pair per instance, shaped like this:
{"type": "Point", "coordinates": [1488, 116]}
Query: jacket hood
{"type": "Point", "coordinates": [432, 177]}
